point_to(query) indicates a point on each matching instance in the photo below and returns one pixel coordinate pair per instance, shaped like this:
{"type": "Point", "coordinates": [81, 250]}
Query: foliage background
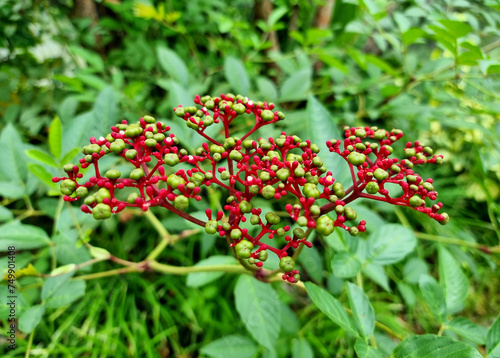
{"type": "Point", "coordinates": [429, 68]}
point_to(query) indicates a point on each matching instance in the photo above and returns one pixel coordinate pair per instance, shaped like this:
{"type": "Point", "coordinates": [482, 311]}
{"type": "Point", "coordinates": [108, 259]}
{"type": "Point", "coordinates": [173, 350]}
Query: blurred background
{"type": "Point", "coordinates": [430, 68]}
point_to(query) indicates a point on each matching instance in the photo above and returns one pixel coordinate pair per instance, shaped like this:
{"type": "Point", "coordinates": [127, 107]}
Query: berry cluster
{"type": "Point", "coordinates": [285, 167]}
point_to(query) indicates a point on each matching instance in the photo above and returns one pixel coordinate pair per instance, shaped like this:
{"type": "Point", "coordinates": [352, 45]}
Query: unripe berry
{"type": "Point", "coordinates": [243, 249]}
{"type": "Point", "coordinates": [267, 115]}
{"type": "Point", "coordinates": [211, 227]}
{"type": "Point", "coordinates": [67, 187]}
{"type": "Point", "coordinates": [415, 201]}
{"type": "Point", "coordinates": [81, 191]}
{"type": "Point", "coordinates": [131, 198]}
{"type": "Point", "coordinates": [136, 174]}
{"type": "Point", "coordinates": [113, 174]}
{"type": "Point", "coordinates": [287, 264]}
{"type": "Point", "coordinates": [263, 255]}
{"type": "Point", "coordinates": [349, 213]}
{"type": "Point", "coordinates": [311, 191]}
{"type": "Point", "coordinates": [117, 146]}
{"type": "Point", "coordinates": [131, 154]}
{"type": "Point", "coordinates": [272, 218]}
{"type": "Point", "coordinates": [245, 206]}
{"type": "Point", "coordinates": [235, 155]}
{"type": "Point", "coordinates": [101, 211]}
{"type": "Point", "coordinates": [174, 181]}
{"type": "Point", "coordinates": [181, 202]}
{"type": "Point", "coordinates": [283, 174]}
{"type": "Point", "coordinates": [325, 225]}
{"type": "Point", "coordinates": [338, 189]}
{"type": "Point", "coordinates": [299, 233]}
{"type": "Point", "coordinates": [354, 231]}
{"type": "Point", "coordinates": [268, 192]}
{"type": "Point", "coordinates": [372, 188]}
{"type": "Point", "coordinates": [380, 174]}
{"type": "Point", "coordinates": [149, 119]}
{"type": "Point", "coordinates": [150, 142]}
{"type": "Point", "coordinates": [356, 158]}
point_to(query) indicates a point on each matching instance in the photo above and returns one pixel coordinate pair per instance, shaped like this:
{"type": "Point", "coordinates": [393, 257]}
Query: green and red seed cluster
{"type": "Point", "coordinates": [283, 168]}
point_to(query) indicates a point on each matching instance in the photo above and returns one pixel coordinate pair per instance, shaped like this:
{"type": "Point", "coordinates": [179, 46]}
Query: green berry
{"type": "Point", "coordinates": [254, 220]}
{"type": "Point", "coordinates": [117, 146]}
{"type": "Point", "coordinates": [287, 264]}
{"type": "Point", "coordinates": [149, 119]}
{"type": "Point", "coordinates": [415, 201]}
{"type": "Point", "coordinates": [136, 174]}
{"type": "Point", "coordinates": [211, 227]}
{"type": "Point", "coordinates": [243, 249]}
{"type": "Point", "coordinates": [102, 194]}
{"type": "Point", "coordinates": [113, 174]}
{"type": "Point", "coordinates": [299, 233]}
{"type": "Point", "coordinates": [181, 202]}
{"type": "Point", "coordinates": [179, 112]}
{"type": "Point", "coordinates": [68, 187]}
{"type": "Point", "coordinates": [356, 158]}
{"type": "Point", "coordinates": [268, 192]}
{"type": "Point", "coordinates": [150, 142]}
{"type": "Point", "coordinates": [101, 211]}
{"type": "Point", "coordinates": [446, 219]}
{"type": "Point", "coordinates": [272, 218]}
{"type": "Point", "coordinates": [81, 191]}
{"type": "Point", "coordinates": [354, 231]}
{"type": "Point", "coordinates": [131, 198]}
{"type": "Point", "coordinates": [311, 191]}
{"type": "Point", "coordinates": [267, 115]}
{"type": "Point", "coordinates": [302, 221]}
{"type": "Point", "coordinates": [380, 174]}
{"type": "Point", "coordinates": [174, 181]}
{"type": "Point", "coordinates": [283, 174]}
{"type": "Point", "coordinates": [68, 168]}
{"type": "Point", "coordinates": [235, 155]}
{"type": "Point", "coordinates": [349, 213]}
{"type": "Point", "coordinates": [171, 159]}
{"type": "Point", "coordinates": [338, 190]}
{"type": "Point", "coordinates": [89, 200]}
{"type": "Point", "coordinates": [263, 255]}
{"type": "Point", "coordinates": [245, 207]}
{"type": "Point", "coordinates": [325, 225]}
{"type": "Point", "coordinates": [372, 188]}
{"type": "Point", "coordinates": [131, 154]}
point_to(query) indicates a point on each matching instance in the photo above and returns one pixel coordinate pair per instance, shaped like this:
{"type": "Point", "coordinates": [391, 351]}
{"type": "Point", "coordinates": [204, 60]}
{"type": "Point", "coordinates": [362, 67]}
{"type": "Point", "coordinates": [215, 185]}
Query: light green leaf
{"type": "Point", "coordinates": [13, 164]}
{"type": "Point", "coordinates": [55, 137]}
{"type": "Point", "coordinates": [363, 350]}
{"type": "Point", "coordinates": [302, 349]}
{"type": "Point", "coordinates": [468, 330]}
{"type": "Point", "coordinates": [433, 296]}
{"type": "Point", "coordinates": [456, 28]}
{"type": "Point", "coordinates": [345, 265]}
{"type": "Point", "coordinates": [297, 86]}
{"type": "Point", "coordinates": [413, 269]}
{"type": "Point", "coordinates": [331, 307]}
{"type": "Point", "coordinates": [493, 339]}
{"type": "Point", "coordinates": [362, 310]}
{"type": "Point", "coordinates": [412, 35]}
{"type": "Point", "coordinates": [31, 318]}
{"type": "Point", "coordinates": [5, 214]}
{"type": "Point", "coordinates": [42, 174]}
{"type": "Point", "coordinates": [173, 64]}
{"type": "Point", "coordinates": [267, 89]}
{"type": "Point", "coordinates": [202, 278]}
{"type": "Point", "coordinates": [312, 262]}
{"type": "Point", "coordinates": [66, 293]}
{"type": "Point", "coordinates": [230, 347]}
{"type": "Point", "coordinates": [377, 274]}
{"type": "Point", "coordinates": [92, 80]}
{"type": "Point", "coordinates": [92, 58]}
{"type": "Point", "coordinates": [258, 306]}
{"type": "Point", "coordinates": [105, 111]}
{"type": "Point", "coordinates": [11, 190]}
{"type": "Point", "coordinates": [42, 157]}
{"type": "Point", "coordinates": [489, 67]}
{"type": "Point", "coordinates": [52, 284]}
{"type": "Point", "coordinates": [236, 75]}
{"type": "Point", "coordinates": [402, 21]}
{"type": "Point", "coordinates": [23, 237]}
{"type": "Point", "coordinates": [390, 244]}
{"type": "Point", "coordinates": [319, 117]}
{"type": "Point", "coordinates": [70, 155]}
{"type": "Point", "coordinates": [432, 346]}
{"type": "Point", "coordinates": [453, 281]}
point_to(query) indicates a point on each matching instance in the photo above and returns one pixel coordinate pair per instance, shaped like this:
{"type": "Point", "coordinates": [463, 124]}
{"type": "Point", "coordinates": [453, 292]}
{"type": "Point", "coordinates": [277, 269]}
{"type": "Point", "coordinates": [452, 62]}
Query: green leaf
{"type": "Point", "coordinates": [258, 306]}
{"type": "Point", "coordinates": [413, 269]}
{"type": "Point", "coordinates": [52, 284]}
{"type": "Point", "coordinates": [302, 349]}
{"type": "Point", "coordinates": [42, 157]}
{"type": "Point", "coordinates": [23, 237]}
{"type": "Point", "coordinates": [236, 75]}
{"type": "Point", "coordinates": [489, 67]}
{"type": "Point", "coordinates": [377, 274]}
{"type": "Point", "coordinates": [105, 111]}
{"type": "Point", "coordinates": [345, 265]}
{"type": "Point", "coordinates": [456, 28]}
{"type": "Point", "coordinates": [297, 86]}
{"type": "Point", "coordinates": [382, 64]}
{"type": "Point", "coordinates": [31, 318]}
{"type": "Point", "coordinates": [66, 294]}
{"type": "Point", "coordinates": [91, 80]}
{"type": "Point", "coordinates": [202, 278]}
{"type": "Point", "coordinates": [230, 347]}
{"type": "Point", "coordinates": [468, 330]}
{"type": "Point", "coordinates": [330, 306]}
{"type": "Point", "coordinates": [70, 155]}
{"type": "Point", "coordinates": [5, 214]}
{"type": "Point", "coordinates": [312, 263]}
{"type": "Point", "coordinates": [11, 190]}
{"type": "Point", "coordinates": [267, 89]}
{"type": "Point", "coordinates": [433, 296]}
{"type": "Point", "coordinates": [362, 310]}
{"type": "Point", "coordinates": [363, 350]}
{"type": "Point", "coordinates": [412, 35]}
{"type": "Point", "coordinates": [173, 64]}
{"type": "Point", "coordinates": [13, 164]}
{"type": "Point", "coordinates": [55, 137]}
{"type": "Point", "coordinates": [42, 174]}
{"type": "Point", "coordinates": [319, 117]}
{"type": "Point", "coordinates": [389, 244]}
{"type": "Point", "coordinates": [453, 281]}
{"type": "Point", "coordinates": [493, 339]}
{"type": "Point", "coordinates": [92, 58]}
{"type": "Point", "coordinates": [432, 346]}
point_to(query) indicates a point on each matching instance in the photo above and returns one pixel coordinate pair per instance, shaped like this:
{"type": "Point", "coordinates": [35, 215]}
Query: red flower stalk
{"type": "Point", "coordinates": [285, 168]}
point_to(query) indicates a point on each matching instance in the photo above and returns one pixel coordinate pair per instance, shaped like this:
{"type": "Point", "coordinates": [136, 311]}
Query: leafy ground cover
{"type": "Point", "coordinates": [406, 285]}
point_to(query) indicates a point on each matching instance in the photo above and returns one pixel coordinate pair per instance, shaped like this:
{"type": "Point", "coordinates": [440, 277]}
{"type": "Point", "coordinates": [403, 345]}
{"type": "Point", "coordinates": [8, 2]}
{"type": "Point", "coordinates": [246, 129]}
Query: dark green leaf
{"type": "Point", "coordinates": [330, 306]}
{"type": "Point", "coordinates": [312, 262]}
{"type": "Point", "coordinates": [55, 138]}
{"type": "Point", "coordinates": [202, 278]}
{"type": "Point", "coordinates": [363, 350]}
{"type": "Point", "coordinates": [258, 306]}
{"type": "Point", "coordinates": [431, 346]}
{"type": "Point", "coordinates": [362, 310]}
{"type": "Point", "coordinates": [31, 318]}
{"type": "Point", "coordinates": [230, 347]}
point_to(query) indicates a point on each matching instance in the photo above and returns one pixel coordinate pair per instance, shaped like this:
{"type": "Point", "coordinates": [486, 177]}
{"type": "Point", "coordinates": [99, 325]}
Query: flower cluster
{"type": "Point", "coordinates": [285, 167]}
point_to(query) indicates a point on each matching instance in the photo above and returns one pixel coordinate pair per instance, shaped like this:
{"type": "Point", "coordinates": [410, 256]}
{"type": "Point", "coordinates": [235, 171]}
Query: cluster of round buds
{"type": "Point", "coordinates": [285, 167]}
{"type": "Point", "coordinates": [369, 150]}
